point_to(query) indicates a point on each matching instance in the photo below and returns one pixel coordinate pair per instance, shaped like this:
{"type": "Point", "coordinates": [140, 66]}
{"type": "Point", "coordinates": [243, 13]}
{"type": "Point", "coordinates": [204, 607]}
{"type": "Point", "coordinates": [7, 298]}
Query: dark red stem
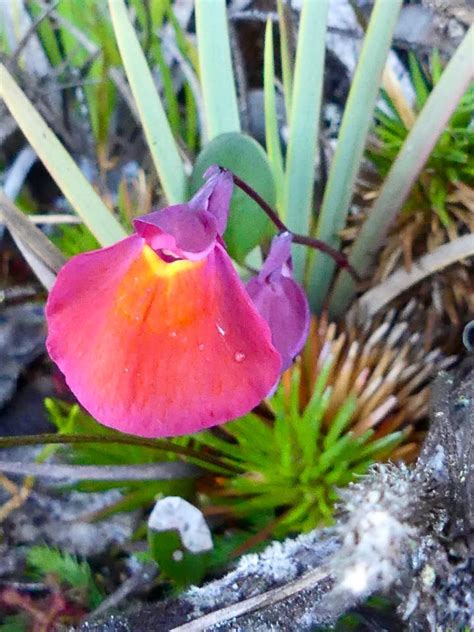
{"type": "Point", "coordinates": [341, 259]}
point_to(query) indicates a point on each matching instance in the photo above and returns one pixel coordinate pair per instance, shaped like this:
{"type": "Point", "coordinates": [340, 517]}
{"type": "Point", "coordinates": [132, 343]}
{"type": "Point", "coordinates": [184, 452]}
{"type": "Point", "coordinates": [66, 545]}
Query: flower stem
{"type": "Point", "coordinates": [304, 240]}
{"type": "Point", "coordinates": [155, 444]}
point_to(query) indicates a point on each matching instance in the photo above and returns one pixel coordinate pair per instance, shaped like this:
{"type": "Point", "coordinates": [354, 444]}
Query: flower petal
{"type": "Point", "coordinates": [159, 349]}
{"type": "Point", "coordinates": [278, 260]}
{"type": "Point", "coordinates": [283, 304]}
{"type": "Point", "coordinates": [215, 196]}
{"type": "Point", "coordinates": [190, 231]}
{"type": "Point", "coordinates": [180, 230]}
{"type": "Point", "coordinates": [281, 301]}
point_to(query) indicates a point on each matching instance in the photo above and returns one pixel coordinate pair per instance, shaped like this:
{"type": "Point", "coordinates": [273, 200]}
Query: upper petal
{"type": "Point", "coordinates": [278, 261]}
{"type": "Point", "coordinates": [215, 195]}
{"type": "Point", "coordinates": [187, 233]}
{"type": "Point", "coordinates": [159, 349]}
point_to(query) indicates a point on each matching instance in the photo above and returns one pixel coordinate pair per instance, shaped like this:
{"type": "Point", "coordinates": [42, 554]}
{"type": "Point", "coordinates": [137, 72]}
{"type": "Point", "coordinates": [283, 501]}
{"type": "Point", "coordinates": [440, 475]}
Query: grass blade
{"type": "Point", "coordinates": [59, 163]}
{"type": "Point", "coordinates": [404, 172]}
{"type": "Point", "coordinates": [43, 257]}
{"type": "Point", "coordinates": [217, 77]}
{"type": "Point", "coordinates": [286, 52]}
{"type": "Point", "coordinates": [355, 124]}
{"type": "Point", "coordinates": [163, 147]}
{"type": "Point", "coordinates": [304, 122]}
{"type": "Point", "coordinates": [272, 135]}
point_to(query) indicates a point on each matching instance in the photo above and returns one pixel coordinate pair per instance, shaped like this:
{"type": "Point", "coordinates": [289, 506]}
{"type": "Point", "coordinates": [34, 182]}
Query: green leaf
{"type": "Point", "coordinates": [169, 91]}
{"type": "Point", "coordinates": [215, 63]}
{"type": "Point", "coordinates": [248, 226]}
{"type": "Point", "coordinates": [174, 560]}
{"type": "Point", "coordinates": [380, 446]}
{"type": "Point", "coordinates": [438, 194]}
{"type": "Point", "coordinates": [304, 123]}
{"type": "Point", "coordinates": [162, 145]}
{"type": "Point", "coordinates": [14, 623]}
{"type": "Point", "coordinates": [287, 60]}
{"type": "Point", "coordinates": [272, 134]}
{"type": "Point", "coordinates": [355, 124]}
{"type": "Point", "coordinates": [404, 172]}
{"type": "Point", "coordinates": [59, 163]}
{"type": "Point", "coordinates": [436, 66]}
{"type": "Point", "coordinates": [67, 569]}
{"type": "Point", "coordinates": [418, 80]}
{"type": "Point", "coordinates": [46, 34]}
{"type": "Point", "coordinates": [340, 422]}
{"type": "Point", "coordinates": [72, 239]}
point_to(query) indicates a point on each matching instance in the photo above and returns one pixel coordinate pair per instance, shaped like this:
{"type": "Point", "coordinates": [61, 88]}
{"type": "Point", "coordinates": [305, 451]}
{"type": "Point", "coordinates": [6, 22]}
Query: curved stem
{"type": "Point", "coordinates": [156, 444]}
{"type": "Point", "coordinates": [304, 240]}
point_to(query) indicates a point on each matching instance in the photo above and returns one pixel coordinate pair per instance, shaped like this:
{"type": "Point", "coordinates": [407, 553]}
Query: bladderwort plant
{"type": "Point", "coordinates": [289, 454]}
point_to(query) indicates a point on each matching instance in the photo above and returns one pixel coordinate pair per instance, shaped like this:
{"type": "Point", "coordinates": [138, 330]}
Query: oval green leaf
{"type": "Point", "coordinates": [248, 226]}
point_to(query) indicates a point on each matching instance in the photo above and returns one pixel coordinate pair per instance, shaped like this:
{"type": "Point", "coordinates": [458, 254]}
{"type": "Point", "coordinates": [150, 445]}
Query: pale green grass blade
{"type": "Point", "coordinates": [423, 136]}
{"type": "Point", "coordinates": [286, 54]}
{"type": "Point", "coordinates": [163, 147]}
{"type": "Point", "coordinates": [59, 163]}
{"type": "Point", "coordinates": [215, 67]}
{"type": "Point", "coordinates": [358, 116]}
{"type": "Point", "coordinates": [304, 122]}
{"type": "Point", "coordinates": [272, 135]}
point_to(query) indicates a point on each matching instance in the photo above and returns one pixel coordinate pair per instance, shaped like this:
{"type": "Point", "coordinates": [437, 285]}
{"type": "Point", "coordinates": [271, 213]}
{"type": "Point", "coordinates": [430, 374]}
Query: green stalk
{"type": "Point", "coordinates": [215, 63]}
{"type": "Point", "coordinates": [286, 54]}
{"type": "Point", "coordinates": [304, 122]}
{"type": "Point", "coordinates": [161, 143]}
{"type": "Point", "coordinates": [358, 116]}
{"type": "Point", "coordinates": [272, 135]}
{"type": "Point", "coordinates": [419, 144]}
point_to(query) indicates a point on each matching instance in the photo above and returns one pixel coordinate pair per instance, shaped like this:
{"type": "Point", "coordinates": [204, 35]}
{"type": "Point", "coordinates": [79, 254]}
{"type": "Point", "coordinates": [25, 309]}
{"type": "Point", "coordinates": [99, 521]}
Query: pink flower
{"type": "Point", "coordinates": [156, 335]}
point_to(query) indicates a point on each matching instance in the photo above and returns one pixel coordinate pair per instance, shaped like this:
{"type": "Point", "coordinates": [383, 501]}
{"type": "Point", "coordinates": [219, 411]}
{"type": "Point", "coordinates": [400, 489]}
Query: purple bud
{"type": "Point", "coordinates": [281, 301]}
{"type": "Point", "coordinates": [214, 196]}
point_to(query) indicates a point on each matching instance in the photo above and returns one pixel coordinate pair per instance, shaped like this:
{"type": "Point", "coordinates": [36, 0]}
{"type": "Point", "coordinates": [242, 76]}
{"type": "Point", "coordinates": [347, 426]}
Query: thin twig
{"type": "Point", "coordinates": [57, 218]}
{"type": "Point", "coordinates": [170, 470]}
{"type": "Point", "coordinates": [400, 281]}
{"type": "Point", "coordinates": [31, 29]}
{"type": "Point", "coordinates": [44, 258]}
{"type": "Point", "coordinates": [17, 292]}
{"type": "Point", "coordinates": [18, 172]}
{"type": "Point", "coordinates": [303, 240]}
{"type": "Point", "coordinates": [155, 444]}
{"type": "Point", "coordinates": [137, 582]}
{"type": "Point", "coordinates": [265, 600]}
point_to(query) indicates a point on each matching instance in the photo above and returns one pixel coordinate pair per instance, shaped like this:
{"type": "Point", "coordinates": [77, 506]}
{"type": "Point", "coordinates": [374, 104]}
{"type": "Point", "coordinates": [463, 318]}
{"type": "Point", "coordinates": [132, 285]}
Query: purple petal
{"type": "Point", "coordinates": [278, 261]}
{"type": "Point", "coordinates": [214, 197]}
{"type": "Point", "coordinates": [281, 301]}
{"type": "Point", "coordinates": [190, 231]}
{"type": "Point", "coordinates": [186, 233]}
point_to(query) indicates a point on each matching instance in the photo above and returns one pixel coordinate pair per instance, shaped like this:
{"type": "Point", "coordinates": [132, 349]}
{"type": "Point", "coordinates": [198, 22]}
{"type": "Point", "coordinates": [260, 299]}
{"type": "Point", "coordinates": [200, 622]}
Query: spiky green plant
{"type": "Point", "coordinates": [293, 465]}
{"type": "Point", "coordinates": [67, 569]}
{"type": "Point", "coordinates": [451, 159]}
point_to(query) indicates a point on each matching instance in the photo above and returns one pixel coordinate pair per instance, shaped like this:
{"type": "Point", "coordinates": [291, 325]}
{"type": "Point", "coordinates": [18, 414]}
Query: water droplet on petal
{"type": "Point", "coordinates": [220, 330]}
{"type": "Point", "coordinates": [239, 356]}
{"type": "Point", "coordinates": [172, 334]}
{"type": "Point", "coordinates": [201, 347]}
